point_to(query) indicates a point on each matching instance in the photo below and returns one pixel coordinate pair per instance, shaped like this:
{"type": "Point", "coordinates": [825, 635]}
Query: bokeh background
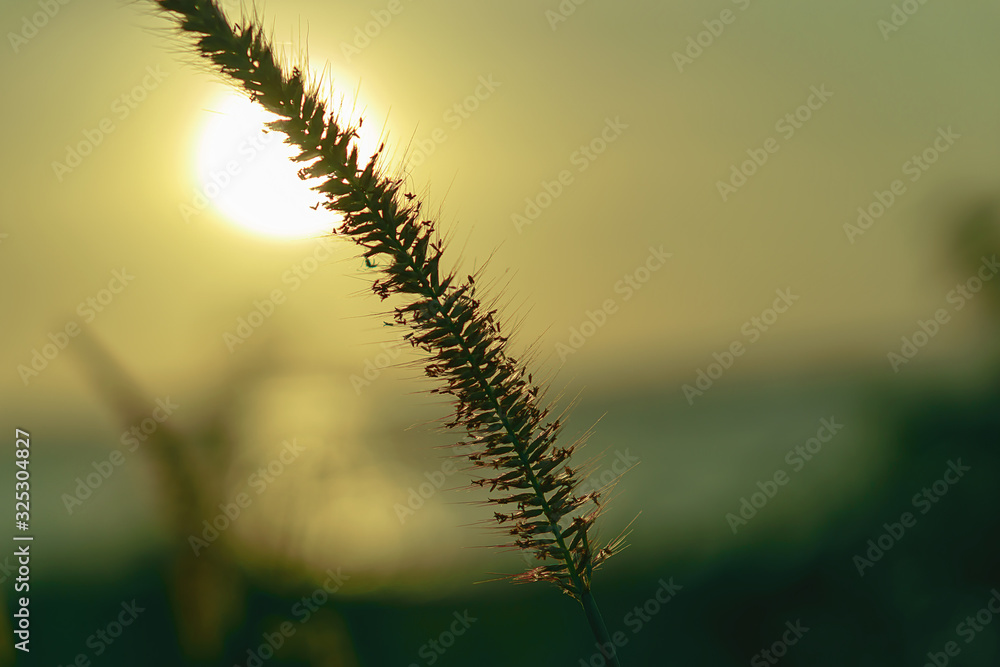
{"type": "Point", "coordinates": [684, 94]}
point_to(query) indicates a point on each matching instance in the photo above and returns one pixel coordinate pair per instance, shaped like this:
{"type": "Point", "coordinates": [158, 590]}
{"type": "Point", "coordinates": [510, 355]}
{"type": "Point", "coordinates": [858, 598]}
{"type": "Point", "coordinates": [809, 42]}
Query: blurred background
{"type": "Point", "coordinates": [755, 241]}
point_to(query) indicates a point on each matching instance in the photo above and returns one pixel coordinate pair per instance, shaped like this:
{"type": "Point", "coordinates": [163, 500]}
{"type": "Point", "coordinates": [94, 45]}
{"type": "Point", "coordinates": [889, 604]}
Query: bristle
{"type": "Point", "coordinates": [496, 401]}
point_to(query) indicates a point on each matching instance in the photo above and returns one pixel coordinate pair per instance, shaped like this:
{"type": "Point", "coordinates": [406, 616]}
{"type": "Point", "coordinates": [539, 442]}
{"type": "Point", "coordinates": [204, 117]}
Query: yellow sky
{"type": "Point", "coordinates": [501, 103]}
{"type": "Point", "coordinates": [553, 91]}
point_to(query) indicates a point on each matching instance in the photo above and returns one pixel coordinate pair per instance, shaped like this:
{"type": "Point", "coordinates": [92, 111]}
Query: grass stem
{"type": "Point", "coordinates": [605, 645]}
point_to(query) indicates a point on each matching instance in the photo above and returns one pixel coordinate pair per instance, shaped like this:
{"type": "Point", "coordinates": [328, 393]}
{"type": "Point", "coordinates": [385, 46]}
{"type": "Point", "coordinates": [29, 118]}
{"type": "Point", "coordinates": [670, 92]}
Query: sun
{"type": "Point", "coordinates": [245, 172]}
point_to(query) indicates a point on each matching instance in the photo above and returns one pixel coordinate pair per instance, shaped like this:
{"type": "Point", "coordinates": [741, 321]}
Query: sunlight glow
{"type": "Point", "coordinates": [245, 172]}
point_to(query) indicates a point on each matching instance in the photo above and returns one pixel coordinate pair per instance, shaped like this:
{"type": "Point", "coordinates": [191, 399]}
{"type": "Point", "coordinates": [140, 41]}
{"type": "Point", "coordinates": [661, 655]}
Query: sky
{"type": "Point", "coordinates": [641, 181]}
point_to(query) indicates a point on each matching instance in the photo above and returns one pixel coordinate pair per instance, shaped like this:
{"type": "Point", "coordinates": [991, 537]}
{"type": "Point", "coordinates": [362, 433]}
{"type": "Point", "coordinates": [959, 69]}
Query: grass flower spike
{"type": "Point", "coordinates": [497, 405]}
